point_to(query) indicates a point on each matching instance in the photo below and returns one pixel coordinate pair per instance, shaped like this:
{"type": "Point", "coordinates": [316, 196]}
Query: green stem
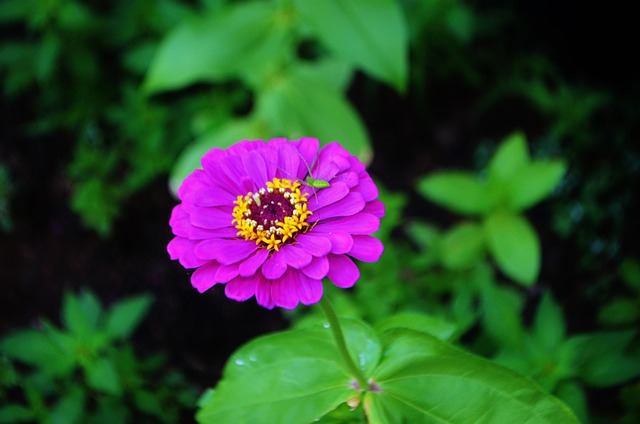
{"type": "Point", "coordinates": [338, 336]}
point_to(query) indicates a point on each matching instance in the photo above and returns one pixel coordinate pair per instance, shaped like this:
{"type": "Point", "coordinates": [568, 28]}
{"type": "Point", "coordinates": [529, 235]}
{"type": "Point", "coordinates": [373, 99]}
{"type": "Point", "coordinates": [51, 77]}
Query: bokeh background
{"type": "Point", "coordinates": [97, 128]}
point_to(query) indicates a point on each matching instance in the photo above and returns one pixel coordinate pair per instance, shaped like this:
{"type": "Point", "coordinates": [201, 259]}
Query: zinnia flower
{"type": "Point", "coordinates": [249, 220]}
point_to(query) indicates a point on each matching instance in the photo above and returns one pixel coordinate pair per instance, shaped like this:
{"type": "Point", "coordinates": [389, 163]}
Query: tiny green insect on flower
{"type": "Point", "coordinates": [312, 182]}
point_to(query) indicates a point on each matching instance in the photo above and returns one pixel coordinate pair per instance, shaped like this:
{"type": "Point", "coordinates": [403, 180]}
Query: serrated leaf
{"type": "Point", "coordinates": [292, 377]}
{"type": "Point", "coordinates": [512, 156]}
{"type": "Point", "coordinates": [463, 246]}
{"type": "Point", "coordinates": [423, 379]}
{"type": "Point", "coordinates": [370, 34]}
{"type": "Point", "coordinates": [69, 408]}
{"type": "Point", "coordinates": [297, 106]}
{"type": "Point", "coordinates": [548, 324]}
{"type": "Point", "coordinates": [533, 183]}
{"type": "Point", "coordinates": [218, 45]}
{"type": "Point", "coordinates": [102, 376]}
{"type": "Point", "coordinates": [461, 192]}
{"type": "Point", "coordinates": [514, 245]}
{"type": "Point", "coordinates": [124, 317]}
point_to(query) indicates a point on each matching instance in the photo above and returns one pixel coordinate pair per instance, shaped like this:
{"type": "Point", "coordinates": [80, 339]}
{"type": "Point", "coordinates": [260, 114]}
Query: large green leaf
{"type": "Point", "coordinates": [515, 246]}
{"type": "Point", "coordinates": [463, 246]}
{"type": "Point", "coordinates": [424, 380]}
{"type": "Point", "coordinates": [533, 183]}
{"type": "Point", "coordinates": [300, 106]}
{"type": "Point", "coordinates": [370, 34]}
{"type": "Point", "coordinates": [289, 377]}
{"type": "Point", "coordinates": [459, 191]}
{"type": "Point", "coordinates": [221, 44]}
{"type": "Point", "coordinates": [38, 349]}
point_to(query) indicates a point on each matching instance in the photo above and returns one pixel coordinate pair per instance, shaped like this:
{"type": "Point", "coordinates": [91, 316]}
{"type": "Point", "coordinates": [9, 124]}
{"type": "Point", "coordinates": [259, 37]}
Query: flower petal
{"type": "Point", "coordinates": [348, 206]}
{"type": "Point", "coordinates": [241, 289]}
{"type": "Point", "coordinates": [362, 223]}
{"type": "Point", "coordinates": [343, 272]}
{"type": "Point", "coordinates": [328, 196]}
{"type": "Point", "coordinates": [227, 273]}
{"type": "Point", "coordinates": [317, 269]}
{"type": "Point", "coordinates": [294, 256]}
{"type": "Point", "coordinates": [375, 207]}
{"type": "Point", "coordinates": [314, 244]}
{"type": "Point", "coordinates": [209, 217]}
{"type": "Point", "coordinates": [366, 248]}
{"type": "Point", "coordinates": [182, 249]}
{"type": "Point", "coordinates": [225, 251]}
{"type": "Point", "coordinates": [285, 291]}
{"type": "Point", "coordinates": [341, 241]}
{"type": "Point", "coordinates": [255, 166]}
{"type": "Point", "coordinates": [204, 277]}
{"type": "Point", "coordinates": [309, 290]}
{"type": "Point", "coordinates": [274, 267]}
{"type": "Point", "coordinates": [263, 293]}
{"type": "Point", "coordinates": [249, 266]}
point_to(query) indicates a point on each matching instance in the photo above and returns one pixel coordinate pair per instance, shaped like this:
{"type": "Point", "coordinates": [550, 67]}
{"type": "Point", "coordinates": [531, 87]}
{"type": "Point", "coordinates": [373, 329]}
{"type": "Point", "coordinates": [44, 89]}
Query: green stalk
{"type": "Point", "coordinates": [338, 336]}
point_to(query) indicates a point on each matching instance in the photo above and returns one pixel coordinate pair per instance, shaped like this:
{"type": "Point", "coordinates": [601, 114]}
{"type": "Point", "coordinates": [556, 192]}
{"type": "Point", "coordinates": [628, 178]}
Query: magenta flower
{"type": "Point", "coordinates": [249, 221]}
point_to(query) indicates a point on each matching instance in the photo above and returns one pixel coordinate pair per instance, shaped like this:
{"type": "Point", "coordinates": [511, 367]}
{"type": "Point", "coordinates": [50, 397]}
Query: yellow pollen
{"type": "Point", "coordinates": [280, 208]}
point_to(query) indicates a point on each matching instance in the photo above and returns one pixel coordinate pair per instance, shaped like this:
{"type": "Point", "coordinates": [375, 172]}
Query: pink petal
{"type": "Point", "coordinates": [263, 293]}
{"type": "Point", "coordinates": [284, 290]}
{"type": "Point", "coordinates": [343, 272]}
{"type": "Point", "coordinates": [314, 244]}
{"type": "Point", "coordinates": [309, 290]}
{"type": "Point", "coordinates": [274, 267]}
{"type": "Point", "coordinates": [241, 289]}
{"type": "Point", "coordinates": [375, 207]}
{"type": "Point", "coordinates": [294, 256]}
{"type": "Point", "coordinates": [255, 167]}
{"type": "Point", "coordinates": [183, 250]}
{"type": "Point", "coordinates": [227, 273]}
{"type": "Point", "coordinates": [348, 206]}
{"type": "Point", "coordinates": [225, 251]}
{"type": "Point", "coordinates": [317, 269]}
{"type": "Point", "coordinates": [366, 248]}
{"type": "Point", "coordinates": [204, 277]}
{"type": "Point", "coordinates": [209, 217]}
{"type": "Point", "coordinates": [341, 241]}
{"type": "Point", "coordinates": [362, 223]}
{"type": "Point", "coordinates": [249, 266]}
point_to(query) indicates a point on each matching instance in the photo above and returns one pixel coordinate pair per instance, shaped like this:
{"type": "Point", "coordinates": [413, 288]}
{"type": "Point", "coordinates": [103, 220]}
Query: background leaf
{"type": "Point", "coordinates": [515, 246]}
{"type": "Point", "coordinates": [216, 46]}
{"type": "Point", "coordinates": [461, 192]}
{"type": "Point", "coordinates": [511, 156]}
{"type": "Point", "coordinates": [463, 246]}
{"type": "Point", "coordinates": [533, 183]}
{"type": "Point", "coordinates": [124, 316]}
{"type": "Point", "coordinates": [370, 34]}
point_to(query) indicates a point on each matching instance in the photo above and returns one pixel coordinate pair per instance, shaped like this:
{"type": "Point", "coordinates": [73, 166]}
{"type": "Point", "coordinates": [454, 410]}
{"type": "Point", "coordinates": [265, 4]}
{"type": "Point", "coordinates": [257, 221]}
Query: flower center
{"type": "Point", "coordinates": [272, 215]}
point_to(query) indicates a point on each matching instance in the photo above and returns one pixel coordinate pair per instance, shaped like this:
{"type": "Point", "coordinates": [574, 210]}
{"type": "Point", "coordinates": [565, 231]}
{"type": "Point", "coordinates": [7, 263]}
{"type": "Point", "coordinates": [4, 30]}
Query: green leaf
{"type": "Point", "coordinates": [37, 349]}
{"type": "Point", "coordinates": [514, 245]}
{"type": "Point", "coordinates": [423, 379]}
{"type": "Point", "coordinates": [501, 312]}
{"type": "Point", "coordinates": [124, 317]}
{"type": "Point", "coordinates": [69, 409]}
{"type": "Point", "coordinates": [288, 377]}
{"type": "Point", "coordinates": [216, 46]}
{"type": "Point", "coordinates": [223, 137]}
{"type": "Point", "coordinates": [573, 395]}
{"type": "Point", "coordinates": [81, 313]}
{"type": "Point", "coordinates": [601, 360]}
{"type": "Point", "coordinates": [16, 414]}
{"type": "Point", "coordinates": [459, 191]}
{"type": "Point", "coordinates": [549, 325]}
{"type": "Point", "coordinates": [620, 311]}
{"type": "Point", "coordinates": [463, 246]}
{"type": "Point", "coordinates": [512, 156]}
{"type": "Point", "coordinates": [370, 34]}
{"type": "Point", "coordinates": [297, 106]}
{"type": "Point", "coordinates": [102, 375]}
{"type": "Point", "coordinates": [436, 327]}
{"type": "Point", "coordinates": [630, 273]}
{"type": "Point", "coordinates": [533, 183]}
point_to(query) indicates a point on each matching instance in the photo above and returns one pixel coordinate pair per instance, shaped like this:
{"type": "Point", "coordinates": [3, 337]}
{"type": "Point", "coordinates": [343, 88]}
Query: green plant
{"type": "Point", "coordinates": [87, 371]}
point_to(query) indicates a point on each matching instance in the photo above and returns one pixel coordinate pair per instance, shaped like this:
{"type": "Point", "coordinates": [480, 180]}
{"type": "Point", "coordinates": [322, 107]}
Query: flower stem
{"type": "Point", "coordinates": [338, 336]}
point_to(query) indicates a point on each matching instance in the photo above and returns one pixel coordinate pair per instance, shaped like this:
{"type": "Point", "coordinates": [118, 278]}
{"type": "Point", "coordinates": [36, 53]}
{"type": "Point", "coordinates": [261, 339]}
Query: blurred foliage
{"type": "Point", "coordinates": [87, 371]}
